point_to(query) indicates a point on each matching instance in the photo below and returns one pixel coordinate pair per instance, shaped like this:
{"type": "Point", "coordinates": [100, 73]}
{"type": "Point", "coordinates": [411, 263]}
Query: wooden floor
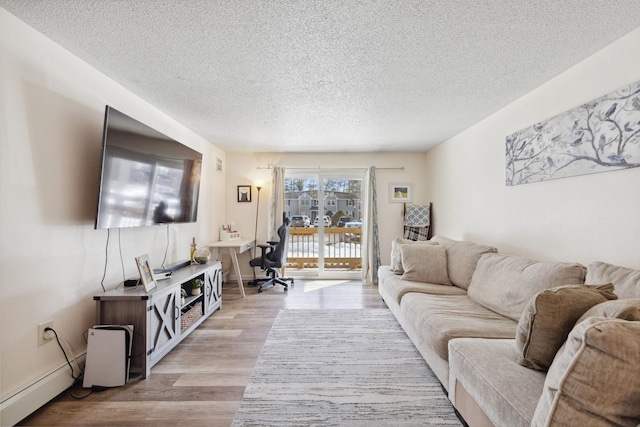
{"type": "Point", "coordinates": [201, 382]}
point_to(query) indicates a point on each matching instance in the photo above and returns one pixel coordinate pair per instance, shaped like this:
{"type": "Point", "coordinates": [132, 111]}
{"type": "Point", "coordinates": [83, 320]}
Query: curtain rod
{"type": "Point", "coordinates": [401, 168]}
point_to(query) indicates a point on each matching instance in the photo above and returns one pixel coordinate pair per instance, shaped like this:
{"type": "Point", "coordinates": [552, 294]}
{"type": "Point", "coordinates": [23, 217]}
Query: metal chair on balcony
{"type": "Point", "coordinates": [273, 257]}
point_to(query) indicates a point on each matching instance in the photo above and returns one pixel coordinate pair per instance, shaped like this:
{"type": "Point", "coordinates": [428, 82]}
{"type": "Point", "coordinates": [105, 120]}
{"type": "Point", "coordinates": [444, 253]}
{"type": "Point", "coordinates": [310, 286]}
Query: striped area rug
{"type": "Point", "coordinates": [342, 368]}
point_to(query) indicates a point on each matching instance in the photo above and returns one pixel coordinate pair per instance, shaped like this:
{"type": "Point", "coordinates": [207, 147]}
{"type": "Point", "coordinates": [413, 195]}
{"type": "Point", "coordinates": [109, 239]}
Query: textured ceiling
{"type": "Point", "coordinates": [330, 75]}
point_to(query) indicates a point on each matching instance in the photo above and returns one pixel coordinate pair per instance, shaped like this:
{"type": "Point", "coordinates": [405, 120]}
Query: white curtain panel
{"type": "Point", "coordinates": [277, 202]}
{"type": "Point", "coordinates": [370, 241]}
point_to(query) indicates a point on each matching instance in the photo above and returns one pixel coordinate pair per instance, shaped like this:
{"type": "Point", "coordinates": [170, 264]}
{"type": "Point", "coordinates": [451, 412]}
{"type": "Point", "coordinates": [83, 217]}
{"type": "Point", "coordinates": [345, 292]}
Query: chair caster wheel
{"type": "Point", "coordinates": [260, 290]}
{"type": "Point", "coordinates": [286, 289]}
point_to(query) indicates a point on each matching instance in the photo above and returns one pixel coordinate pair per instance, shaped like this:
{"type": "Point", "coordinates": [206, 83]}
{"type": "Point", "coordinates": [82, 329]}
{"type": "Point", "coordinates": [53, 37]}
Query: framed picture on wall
{"type": "Point", "coordinates": [146, 276]}
{"type": "Point", "coordinates": [400, 193]}
{"type": "Point", "coordinates": [244, 193]}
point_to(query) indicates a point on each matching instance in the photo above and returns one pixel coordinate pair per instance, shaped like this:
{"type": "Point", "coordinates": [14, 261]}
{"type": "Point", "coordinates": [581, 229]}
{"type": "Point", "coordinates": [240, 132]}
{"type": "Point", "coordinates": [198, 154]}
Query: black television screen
{"type": "Point", "coordinates": [147, 178]}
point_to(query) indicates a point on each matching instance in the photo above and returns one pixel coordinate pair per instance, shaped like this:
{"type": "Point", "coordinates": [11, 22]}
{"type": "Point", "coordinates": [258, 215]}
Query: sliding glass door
{"type": "Point", "coordinates": [326, 222]}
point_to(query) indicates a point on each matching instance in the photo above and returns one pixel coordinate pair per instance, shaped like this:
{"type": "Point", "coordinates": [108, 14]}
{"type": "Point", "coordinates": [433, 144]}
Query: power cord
{"type": "Point", "coordinates": [120, 248]}
{"type": "Point", "coordinates": [166, 249]}
{"type": "Point", "coordinates": [76, 379]}
{"type": "Point", "coordinates": [106, 260]}
{"type": "Point", "coordinates": [47, 329]}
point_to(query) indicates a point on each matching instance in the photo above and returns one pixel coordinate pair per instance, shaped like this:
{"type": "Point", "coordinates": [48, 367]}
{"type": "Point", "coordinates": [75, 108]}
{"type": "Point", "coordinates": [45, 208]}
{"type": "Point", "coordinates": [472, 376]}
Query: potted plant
{"type": "Point", "coordinates": [183, 295]}
{"type": "Point", "coordinates": [196, 286]}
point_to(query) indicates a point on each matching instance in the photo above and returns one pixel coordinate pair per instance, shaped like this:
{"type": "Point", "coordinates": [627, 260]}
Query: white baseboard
{"type": "Point", "coordinates": [25, 402]}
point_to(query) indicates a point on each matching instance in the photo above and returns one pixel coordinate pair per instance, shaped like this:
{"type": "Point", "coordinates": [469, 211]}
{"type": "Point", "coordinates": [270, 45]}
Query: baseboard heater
{"type": "Point", "coordinates": [24, 402]}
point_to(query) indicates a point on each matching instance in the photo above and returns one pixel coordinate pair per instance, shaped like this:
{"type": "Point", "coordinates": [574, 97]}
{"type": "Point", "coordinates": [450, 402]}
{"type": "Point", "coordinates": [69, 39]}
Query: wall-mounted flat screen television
{"type": "Point", "coordinates": [147, 178]}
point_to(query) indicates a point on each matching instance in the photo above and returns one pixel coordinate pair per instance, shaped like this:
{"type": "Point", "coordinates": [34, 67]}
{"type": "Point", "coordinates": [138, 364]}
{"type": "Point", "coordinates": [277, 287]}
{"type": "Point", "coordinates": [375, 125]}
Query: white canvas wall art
{"type": "Point", "coordinates": [601, 135]}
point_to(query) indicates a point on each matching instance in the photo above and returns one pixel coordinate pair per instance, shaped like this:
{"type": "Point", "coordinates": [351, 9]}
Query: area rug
{"type": "Point", "coordinates": [342, 368]}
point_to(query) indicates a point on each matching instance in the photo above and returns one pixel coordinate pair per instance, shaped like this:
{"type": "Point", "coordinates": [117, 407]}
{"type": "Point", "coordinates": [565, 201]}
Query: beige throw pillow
{"type": "Point", "coordinates": [548, 318]}
{"type": "Point", "coordinates": [396, 258]}
{"type": "Point", "coordinates": [594, 380]}
{"type": "Point", "coordinates": [425, 263]}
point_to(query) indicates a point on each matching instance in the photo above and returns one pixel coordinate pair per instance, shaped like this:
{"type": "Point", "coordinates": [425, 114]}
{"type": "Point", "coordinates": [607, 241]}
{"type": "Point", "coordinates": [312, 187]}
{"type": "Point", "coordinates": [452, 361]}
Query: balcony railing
{"type": "Point", "coordinates": [340, 246]}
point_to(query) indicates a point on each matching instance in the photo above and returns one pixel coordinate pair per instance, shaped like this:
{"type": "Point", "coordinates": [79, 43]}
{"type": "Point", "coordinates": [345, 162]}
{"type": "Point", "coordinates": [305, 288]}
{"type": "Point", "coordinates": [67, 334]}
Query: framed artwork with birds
{"type": "Point", "coordinates": [601, 135]}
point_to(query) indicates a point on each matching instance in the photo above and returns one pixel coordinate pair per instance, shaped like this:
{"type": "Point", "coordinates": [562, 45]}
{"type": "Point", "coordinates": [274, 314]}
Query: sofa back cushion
{"type": "Point", "coordinates": [626, 309]}
{"type": "Point", "coordinates": [462, 257]}
{"type": "Point", "coordinates": [505, 283]}
{"type": "Point", "coordinates": [626, 282]}
{"type": "Point", "coordinates": [595, 377]}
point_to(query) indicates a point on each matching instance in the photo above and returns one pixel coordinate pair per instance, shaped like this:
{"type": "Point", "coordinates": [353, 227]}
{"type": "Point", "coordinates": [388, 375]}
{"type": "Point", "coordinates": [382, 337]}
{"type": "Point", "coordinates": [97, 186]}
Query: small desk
{"type": "Point", "coordinates": [234, 247]}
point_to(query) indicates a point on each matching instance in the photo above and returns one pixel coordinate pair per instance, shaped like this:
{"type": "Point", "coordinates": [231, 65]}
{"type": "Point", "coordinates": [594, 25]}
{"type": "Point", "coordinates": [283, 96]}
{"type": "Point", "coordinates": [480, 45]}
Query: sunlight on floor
{"type": "Point", "coordinates": [322, 284]}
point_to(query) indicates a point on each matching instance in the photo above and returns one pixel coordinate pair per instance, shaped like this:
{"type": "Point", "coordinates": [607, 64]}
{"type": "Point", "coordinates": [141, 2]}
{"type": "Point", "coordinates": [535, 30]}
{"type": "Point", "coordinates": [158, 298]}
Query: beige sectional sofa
{"type": "Point", "coordinates": [478, 318]}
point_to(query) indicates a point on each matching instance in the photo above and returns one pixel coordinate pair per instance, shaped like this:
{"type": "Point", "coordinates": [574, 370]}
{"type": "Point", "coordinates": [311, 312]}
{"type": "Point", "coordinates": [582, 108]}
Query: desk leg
{"type": "Point", "coordinates": [234, 260]}
{"type": "Point", "coordinates": [214, 253]}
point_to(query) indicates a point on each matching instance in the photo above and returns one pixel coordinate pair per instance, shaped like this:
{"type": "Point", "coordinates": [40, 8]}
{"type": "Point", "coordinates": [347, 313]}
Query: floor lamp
{"type": "Point", "coordinates": [255, 232]}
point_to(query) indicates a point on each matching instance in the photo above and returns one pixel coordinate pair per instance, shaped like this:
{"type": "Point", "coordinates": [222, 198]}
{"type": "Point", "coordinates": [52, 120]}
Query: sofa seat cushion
{"type": "Point", "coordinates": [441, 318]}
{"type": "Point", "coordinates": [626, 282]}
{"type": "Point", "coordinates": [506, 283]}
{"type": "Point", "coordinates": [462, 257]}
{"type": "Point", "coordinates": [396, 288]}
{"type": "Point", "coordinates": [506, 391]}
{"type": "Point", "coordinates": [595, 378]}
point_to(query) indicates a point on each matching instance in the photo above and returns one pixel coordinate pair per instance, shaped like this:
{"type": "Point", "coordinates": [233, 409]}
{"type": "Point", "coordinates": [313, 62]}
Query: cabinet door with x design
{"type": "Point", "coordinates": [164, 324]}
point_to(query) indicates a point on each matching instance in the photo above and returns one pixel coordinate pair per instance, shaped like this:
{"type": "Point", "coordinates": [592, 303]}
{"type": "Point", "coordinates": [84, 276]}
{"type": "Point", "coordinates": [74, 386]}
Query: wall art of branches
{"type": "Point", "coordinates": [601, 135]}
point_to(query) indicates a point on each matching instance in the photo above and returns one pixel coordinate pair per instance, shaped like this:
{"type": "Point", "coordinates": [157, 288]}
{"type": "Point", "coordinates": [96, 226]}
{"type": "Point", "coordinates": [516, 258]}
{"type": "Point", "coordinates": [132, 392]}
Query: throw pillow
{"type": "Point", "coordinates": [396, 259]}
{"type": "Point", "coordinates": [595, 378]}
{"type": "Point", "coordinates": [425, 263]}
{"type": "Point", "coordinates": [548, 318]}
{"type": "Point", "coordinates": [626, 309]}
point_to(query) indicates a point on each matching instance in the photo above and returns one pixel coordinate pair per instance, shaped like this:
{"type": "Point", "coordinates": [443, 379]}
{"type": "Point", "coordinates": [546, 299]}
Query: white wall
{"type": "Point", "coordinates": [241, 169]}
{"type": "Point", "coordinates": [51, 258]}
{"type": "Point", "coordinates": [577, 219]}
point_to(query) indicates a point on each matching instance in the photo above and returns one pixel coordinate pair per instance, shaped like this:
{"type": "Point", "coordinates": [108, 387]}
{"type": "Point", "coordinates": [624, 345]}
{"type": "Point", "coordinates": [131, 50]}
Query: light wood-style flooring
{"type": "Point", "coordinates": [201, 382]}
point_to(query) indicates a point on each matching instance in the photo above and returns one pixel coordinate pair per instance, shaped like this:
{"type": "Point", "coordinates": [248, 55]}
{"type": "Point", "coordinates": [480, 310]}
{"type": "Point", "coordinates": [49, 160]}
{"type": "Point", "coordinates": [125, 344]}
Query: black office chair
{"type": "Point", "coordinates": [273, 257]}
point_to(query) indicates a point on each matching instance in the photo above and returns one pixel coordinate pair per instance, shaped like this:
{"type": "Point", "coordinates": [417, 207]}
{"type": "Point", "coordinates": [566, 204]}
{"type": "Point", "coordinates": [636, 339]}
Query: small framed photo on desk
{"type": "Point", "coordinates": [146, 275]}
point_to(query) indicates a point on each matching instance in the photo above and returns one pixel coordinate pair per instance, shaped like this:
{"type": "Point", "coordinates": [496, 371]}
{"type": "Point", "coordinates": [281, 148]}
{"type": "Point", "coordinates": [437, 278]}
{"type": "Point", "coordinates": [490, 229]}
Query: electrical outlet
{"type": "Point", "coordinates": [41, 331]}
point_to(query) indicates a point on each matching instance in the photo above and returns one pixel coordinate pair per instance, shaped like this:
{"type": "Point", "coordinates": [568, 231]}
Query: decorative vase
{"type": "Point", "coordinates": [182, 301]}
{"type": "Point", "coordinates": [195, 291]}
{"type": "Point", "coordinates": [202, 256]}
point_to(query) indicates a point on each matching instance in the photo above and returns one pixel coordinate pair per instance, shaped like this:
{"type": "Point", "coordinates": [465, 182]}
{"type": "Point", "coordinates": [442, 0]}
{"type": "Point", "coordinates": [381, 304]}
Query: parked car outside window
{"type": "Point", "coordinates": [299, 221]}
{"type": "Point", "coordinates": [327, 221]}
{"type": "Point", "coordinates": [352, 237]}
{"type": "Point", "coordinates": [343, 220]}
